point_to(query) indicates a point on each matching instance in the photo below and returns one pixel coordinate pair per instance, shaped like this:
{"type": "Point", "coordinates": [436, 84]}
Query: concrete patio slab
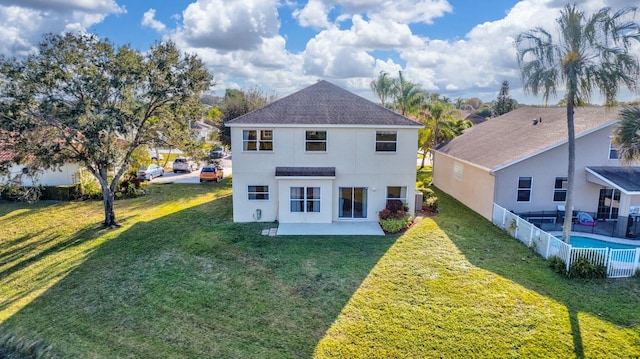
{"type": "Point", "coordinates": [330, 229]}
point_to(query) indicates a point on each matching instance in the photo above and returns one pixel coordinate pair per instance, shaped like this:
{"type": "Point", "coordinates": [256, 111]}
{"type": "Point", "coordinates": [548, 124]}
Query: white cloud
{"type": "Point", "coordinates": [23, 22]}
{"type": "Point", "coordinates": [228, 26]}
{"type": "Point", "coordinates": [148, 19]}
{"type": "Point", "coordinates": [314, 15]}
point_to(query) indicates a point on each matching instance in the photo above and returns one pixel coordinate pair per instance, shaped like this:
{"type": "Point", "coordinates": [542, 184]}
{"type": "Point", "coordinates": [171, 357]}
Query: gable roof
{"type": "Point", "coordinates": [323, 103]}
{"type": "Point", "coordinates": [512, 137]}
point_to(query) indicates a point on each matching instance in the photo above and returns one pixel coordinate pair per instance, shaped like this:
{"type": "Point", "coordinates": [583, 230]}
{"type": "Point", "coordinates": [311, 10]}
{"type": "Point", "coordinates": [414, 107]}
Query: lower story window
{"type": "Point", "coordinates": [305, 199]}
{"type": "Point", "coordinates": [396, 193]}
{"type": "Point", "coordinates": [258, 193]}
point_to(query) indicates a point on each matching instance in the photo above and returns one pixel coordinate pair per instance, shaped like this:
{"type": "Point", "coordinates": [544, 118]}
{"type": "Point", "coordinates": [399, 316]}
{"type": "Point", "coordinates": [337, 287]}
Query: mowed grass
{"type": "Point", "coordinates": [179, 279]}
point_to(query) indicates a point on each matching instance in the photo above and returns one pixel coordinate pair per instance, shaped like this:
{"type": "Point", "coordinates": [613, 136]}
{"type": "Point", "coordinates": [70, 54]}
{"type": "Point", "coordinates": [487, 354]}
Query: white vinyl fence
{"type": "Point", "coordinates": [619, 262]}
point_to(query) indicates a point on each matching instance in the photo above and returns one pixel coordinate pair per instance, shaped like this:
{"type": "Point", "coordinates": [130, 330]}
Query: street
{"type": "Point", "coordinates": [193, 177]}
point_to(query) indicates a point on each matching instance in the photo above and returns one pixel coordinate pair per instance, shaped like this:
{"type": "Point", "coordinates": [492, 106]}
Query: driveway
{"type": "Point", "coordinates": [193, 177]}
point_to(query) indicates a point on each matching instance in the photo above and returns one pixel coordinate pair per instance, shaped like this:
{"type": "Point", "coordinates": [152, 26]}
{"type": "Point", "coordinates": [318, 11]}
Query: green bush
{"type": "Point", "coordinates": [14, 347]}
{"type": "Point", "coordinates": [61, 193]}
{"type": "Point", "coordinates": [431, 203]}
{"type": "Point", "coordinates": [394, 225]}
{"type": "Point", "coordinates": [89, 185]}
{"type": "Point", "coordinates": [558, 265]}
{"type": "Point", "coordinates": [586, 269]}
{"type": "Point", "coordinates": [426, 192]}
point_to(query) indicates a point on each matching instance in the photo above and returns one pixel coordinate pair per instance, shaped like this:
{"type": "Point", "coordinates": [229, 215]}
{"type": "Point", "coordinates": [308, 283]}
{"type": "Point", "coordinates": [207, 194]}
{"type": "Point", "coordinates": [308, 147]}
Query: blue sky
{"type": "Point", "coordinates": [458, 48]}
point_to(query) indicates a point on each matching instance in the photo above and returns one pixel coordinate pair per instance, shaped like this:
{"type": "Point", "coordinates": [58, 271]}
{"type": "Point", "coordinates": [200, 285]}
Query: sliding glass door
{"type": "Point", "coordinates": [352, 202]}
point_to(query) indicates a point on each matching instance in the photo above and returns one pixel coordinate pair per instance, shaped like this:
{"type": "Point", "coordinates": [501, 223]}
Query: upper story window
{"type": "Point", "coordinates": [560, 189]}
{"type": "Point", "coordinates": [315, 141]}
{"type": "Point", "coordinates": [257, 140]}
{"type": "Point", "coordinates": [386, 141]}
{"type": "Point", "coordinates": [613, 152]}
{"type": "Point", "coordinates": [524, 189]}
{"type": "Point", "coordinates": [258, 193]}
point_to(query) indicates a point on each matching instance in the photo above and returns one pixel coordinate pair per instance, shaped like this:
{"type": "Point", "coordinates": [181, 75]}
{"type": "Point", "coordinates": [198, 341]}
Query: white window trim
{"type": "Point", "coordinates": [612, 148]}
{"type": "Point", "coordinates": [305, 199]}
{"type": "Point", "coordinates": [558, 189]}
{"type": "Point", "coordinates": [326, 142]}
{"type": "Point", "coordinates": [394, 142]}
{"type": "Point", "coordinates": [518, 189]}
{"type": "Point", "coordinates": [258, 140]}
{"type": "Point", "coordinates": [403, 199]}
{"type": "Point", "coordinates": [268, 193]}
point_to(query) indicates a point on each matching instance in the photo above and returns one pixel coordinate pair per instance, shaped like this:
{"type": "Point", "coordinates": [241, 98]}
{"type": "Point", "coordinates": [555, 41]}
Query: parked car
{"type": "Point", "coordinates": [184, 164]}
{"type": "Point", "coordinates": [211, 173]}
{"type": "Point", "coordinates": [151, 172]}
{"type": "Point", "coordinates": [218, 152]}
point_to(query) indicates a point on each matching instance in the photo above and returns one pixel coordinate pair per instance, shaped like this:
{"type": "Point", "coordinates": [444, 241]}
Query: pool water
{"type": "Point", "coordinates": [584, 242]}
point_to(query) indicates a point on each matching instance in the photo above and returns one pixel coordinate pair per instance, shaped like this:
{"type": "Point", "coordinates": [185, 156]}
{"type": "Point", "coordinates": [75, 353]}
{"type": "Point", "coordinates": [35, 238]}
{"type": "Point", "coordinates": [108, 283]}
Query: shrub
{"type": "Point", "coordinates": [431, 203]}
{"type": "Point", "coordinates": [394, 225]}
{"type": "Point", "coordinates": [130, 188]}
{"type": "Point", "coordinates": [426, 193]}
{"type": "Point", "coordinates": [394, 217]}
{"type": "Point", "coordinates": [586, 269]}
{"type": "Point", "coordinates": [558, 265]}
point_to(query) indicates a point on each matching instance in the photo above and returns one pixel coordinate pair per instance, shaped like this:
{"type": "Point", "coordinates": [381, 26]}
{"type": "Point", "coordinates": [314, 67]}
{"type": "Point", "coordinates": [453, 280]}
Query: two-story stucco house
{"type": "Point", "coordinates": [321, 155]}
{"type": "Point", "coordinates": [519, 161]}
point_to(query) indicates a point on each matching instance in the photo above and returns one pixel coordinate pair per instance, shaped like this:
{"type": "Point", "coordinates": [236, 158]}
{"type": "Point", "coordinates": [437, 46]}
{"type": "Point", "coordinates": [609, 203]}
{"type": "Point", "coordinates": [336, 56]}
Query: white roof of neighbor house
{"type": "Point", "coordinates": [522, 133]}
{"type": "Point", "coordinates": [324, 104]}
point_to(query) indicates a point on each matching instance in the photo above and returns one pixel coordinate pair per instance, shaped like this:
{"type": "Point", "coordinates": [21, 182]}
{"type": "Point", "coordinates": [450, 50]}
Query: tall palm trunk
{"type": "Point", "coordinates": [571, 169]}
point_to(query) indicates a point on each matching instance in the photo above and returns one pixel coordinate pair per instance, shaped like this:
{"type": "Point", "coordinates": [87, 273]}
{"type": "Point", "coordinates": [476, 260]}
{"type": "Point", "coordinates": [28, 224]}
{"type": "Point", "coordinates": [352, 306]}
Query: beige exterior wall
{"type": "Point", "coordinates": [471, 185]}
{"type": "Point", "coordinates": [351, 150]}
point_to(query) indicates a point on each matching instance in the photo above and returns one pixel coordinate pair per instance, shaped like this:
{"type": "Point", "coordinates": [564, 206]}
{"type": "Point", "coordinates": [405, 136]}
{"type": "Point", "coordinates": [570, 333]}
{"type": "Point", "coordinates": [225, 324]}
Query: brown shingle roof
{"type": "Point", "coordinates": [323, 104]}
{"type": "Point", "coordinates": [513, 136]}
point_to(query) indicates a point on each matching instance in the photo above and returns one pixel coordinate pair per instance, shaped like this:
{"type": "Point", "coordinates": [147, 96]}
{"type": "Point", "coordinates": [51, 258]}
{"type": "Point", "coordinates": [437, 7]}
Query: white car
{"type": "Point", "coordinates": [184, 164]}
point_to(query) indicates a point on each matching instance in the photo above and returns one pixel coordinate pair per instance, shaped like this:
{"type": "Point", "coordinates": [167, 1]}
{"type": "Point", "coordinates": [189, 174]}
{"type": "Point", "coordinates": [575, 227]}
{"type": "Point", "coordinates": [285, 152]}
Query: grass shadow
{"type": "Point", "coordinates": [485, 246]}
{"type": "Point", "coordinates": [193, 284]}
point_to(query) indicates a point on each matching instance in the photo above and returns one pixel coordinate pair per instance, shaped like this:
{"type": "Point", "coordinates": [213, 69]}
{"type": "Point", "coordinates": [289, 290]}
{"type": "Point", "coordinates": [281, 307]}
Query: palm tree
{"type": "Point", "coordinates": [440, 125]}
{"type": "Point", "coordinates": [382, 87]}
{"type": "Point", "coordinates": [589, 53]}
{"type": "Point", "coordinates": [408, 95]}
{"type": "Point", "coordinates": [627, 135]}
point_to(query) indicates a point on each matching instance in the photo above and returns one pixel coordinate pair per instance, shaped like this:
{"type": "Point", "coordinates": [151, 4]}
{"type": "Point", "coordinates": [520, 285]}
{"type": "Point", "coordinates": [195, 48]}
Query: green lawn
{"type": "Point", "coordinates": [179, 279]}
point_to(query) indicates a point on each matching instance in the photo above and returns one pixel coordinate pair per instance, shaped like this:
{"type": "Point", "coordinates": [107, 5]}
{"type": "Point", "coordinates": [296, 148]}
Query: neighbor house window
{"type": "Point", "coordinates": [258, 193]}
{"type": "Point", "coordinates": [304, 199]}
{"type": "Point", "coordinates": [613, 152]}
{"type": "Point", "coordinates": [524, 189]}
{"type": "Point", "coordinates": [315, 141]}
{"type": "Point", "coordinates": [386, 141]}
{"type": "Point", "coordinates": [560, 189]}
{"type": "Point", "coordinates": [257, 140]}
{"type": "Point", "coordinates": [397, 193]}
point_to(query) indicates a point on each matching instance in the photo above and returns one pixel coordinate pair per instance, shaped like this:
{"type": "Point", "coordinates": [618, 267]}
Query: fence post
{"type": "Point", "coordinates": [636, 265]}
{"type": "Point", "coordinates": [515, 233]}
{"type": "Point", "coordinates": [504, 216]}
{"type": "Point", "coordinates": [569, 257]}
{"type": "Point", "coordinates": [531, 235]}
{"type": "Point", "coordinates": [546, 251]}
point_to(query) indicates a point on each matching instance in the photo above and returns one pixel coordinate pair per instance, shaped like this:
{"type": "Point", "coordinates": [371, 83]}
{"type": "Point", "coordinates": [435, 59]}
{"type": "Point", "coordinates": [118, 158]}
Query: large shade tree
{"type": "Point", "coordinates": [627, 134]}
{"type": "Point", "coordinates": [82, 99]}
{"type": "Point", "coordinates": [589, 53]}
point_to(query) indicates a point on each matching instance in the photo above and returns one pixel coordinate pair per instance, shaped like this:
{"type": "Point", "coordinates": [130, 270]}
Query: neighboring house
{"type": "Point", "coordinates": [203, 130]}
{"type": "Point", "coordinates": [321, 155]}
{"type": "Point", "coordinates": [470, 116]}
{"type": "Point", "coordinates": [64, 176]}
{"type": "Point", "coordinates": [519, 161]}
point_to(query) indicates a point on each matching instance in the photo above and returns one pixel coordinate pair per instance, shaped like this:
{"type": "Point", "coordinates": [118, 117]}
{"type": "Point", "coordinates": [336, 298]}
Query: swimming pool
{"type": "Point", "coordinates": [585, 242]}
